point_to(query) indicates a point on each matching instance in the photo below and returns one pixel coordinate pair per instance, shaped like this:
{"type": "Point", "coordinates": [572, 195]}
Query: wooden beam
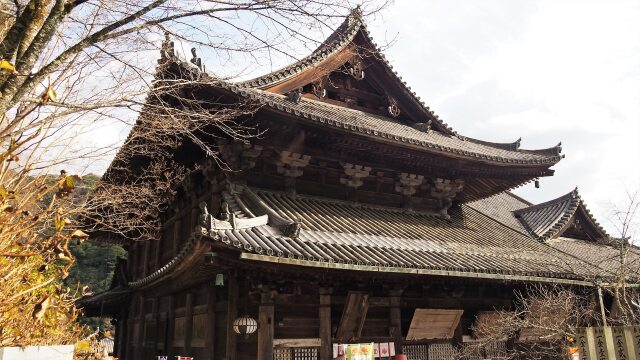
{"type": "Point", "coordinates": [313, 342]}
{"type": "Point", "coordinates": [324, 314]}
{"type": "Point", "coordinates": [353, 316]}
{"type": "Point", "coordinates": [265, 327]}
{"type": "Point", "coordinates": [232, 315]}
{"type": "Point", "coordinates": [209, 342]}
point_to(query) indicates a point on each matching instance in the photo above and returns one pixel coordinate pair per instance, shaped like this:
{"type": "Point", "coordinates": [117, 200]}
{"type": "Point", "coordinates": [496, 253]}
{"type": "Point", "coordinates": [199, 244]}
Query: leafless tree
{"type": "Point", "coordinates": [544, 321]}
{"type": "Point", "coordinates": [72, 67]}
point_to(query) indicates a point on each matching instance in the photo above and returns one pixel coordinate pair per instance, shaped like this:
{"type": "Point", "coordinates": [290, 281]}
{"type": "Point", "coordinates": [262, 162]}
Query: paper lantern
{"type": "Point", "coordinates": [245, 325]}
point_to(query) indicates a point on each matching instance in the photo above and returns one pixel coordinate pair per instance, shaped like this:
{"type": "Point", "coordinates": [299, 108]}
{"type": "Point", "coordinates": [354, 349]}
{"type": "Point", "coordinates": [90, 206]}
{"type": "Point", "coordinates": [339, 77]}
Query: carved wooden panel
{"type": "Point", "coordinates": [433, 324]}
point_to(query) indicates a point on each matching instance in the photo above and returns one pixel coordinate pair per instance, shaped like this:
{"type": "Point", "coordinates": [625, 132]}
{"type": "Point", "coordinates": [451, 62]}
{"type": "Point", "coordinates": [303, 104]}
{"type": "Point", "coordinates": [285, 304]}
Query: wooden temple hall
{"type": "Point", "coordinates": [358, 216]}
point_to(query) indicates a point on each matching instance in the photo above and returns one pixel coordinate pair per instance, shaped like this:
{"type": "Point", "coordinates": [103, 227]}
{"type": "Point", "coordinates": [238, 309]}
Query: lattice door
{"type": "Point", "coordinates": [416, 352]}
{"type": "Point", "coordinates": [297, 353]}
{"type": "Point", "coordinates": [283, 354]}
{"type": "Point", "coordinates": [492, 351]}
{"type": "Point", "coordinates": [442, 352]}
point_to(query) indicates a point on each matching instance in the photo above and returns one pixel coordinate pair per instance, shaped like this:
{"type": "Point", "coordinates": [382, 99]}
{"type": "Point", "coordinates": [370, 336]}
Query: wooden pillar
{"type": "Point", "coordinates": [145, 261]}
{"type": "Point", "coordinates": [121, 334]}
{"type": "Point", "coordinates": [155, 317]}
{"type": "Point", "coordinates": [188, 323]}
{"type": "Point", "coordinates": [209, 341]}
{"type": "Point", "coordinates": [176, 237]}
{"type": "Point", "coordinates": [265, 326]}
{"type": "Point", "coordinates": [395, 321]}
{"type": "Point", "coordinates": [232, 315]}
{"type": "Point", "coordinates": [141, 325]}
{"type": "Point", "coordinates": [324, 315]}
{"type": "Point", "coordinates": [171, 320]}
{"type": "Point", "coordinates": [127, 343]}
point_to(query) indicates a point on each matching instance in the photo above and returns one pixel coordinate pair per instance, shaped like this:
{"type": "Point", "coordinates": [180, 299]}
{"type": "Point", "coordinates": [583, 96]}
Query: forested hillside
{"type": "Point", "coordinates": [94, 262]}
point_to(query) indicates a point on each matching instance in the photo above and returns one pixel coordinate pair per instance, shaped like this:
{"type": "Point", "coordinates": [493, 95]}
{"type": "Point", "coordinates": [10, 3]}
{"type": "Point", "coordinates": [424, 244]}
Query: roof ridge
{"type": "Point", "coordinates": [339, 38]}
{"type": "Point", "coordinates": [519, 198]}
{"type": "Point", "coordinates": [547, 203]}
{"type": "Point", "coordinates": [515, 145]}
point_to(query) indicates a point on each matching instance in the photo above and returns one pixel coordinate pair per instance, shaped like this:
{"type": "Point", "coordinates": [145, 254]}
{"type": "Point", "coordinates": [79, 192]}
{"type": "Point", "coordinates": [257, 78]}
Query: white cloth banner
{"type": "Point", "coordinates": [380, 350]}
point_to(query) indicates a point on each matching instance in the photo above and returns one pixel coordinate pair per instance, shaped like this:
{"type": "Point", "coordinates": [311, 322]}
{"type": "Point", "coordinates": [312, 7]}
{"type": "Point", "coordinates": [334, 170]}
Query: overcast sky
{"type": "Point", "coordinates": [546, 71]}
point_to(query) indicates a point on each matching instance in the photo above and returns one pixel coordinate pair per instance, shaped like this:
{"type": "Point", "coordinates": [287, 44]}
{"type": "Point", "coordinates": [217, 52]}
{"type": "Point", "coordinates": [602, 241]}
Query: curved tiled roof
{"type": "Point", "coordinates": [549, 219]}
{"type": "Point", "coordinates": [500, 208]}
{"type": "Point", "coordinates": [381, 127]}
{"type": "Point", "coordinates": [376, 126]}
{"type": "Point", "coordinates": [123, 290]}
{"type": "Point", "coordinates": [345, 235]}
{"type": "Point", "coordinates": [337, 41]}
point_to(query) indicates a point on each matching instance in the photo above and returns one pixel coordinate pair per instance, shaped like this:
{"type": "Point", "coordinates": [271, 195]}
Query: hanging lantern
{"type": "Point", "coordinates": [245, 325]}
{"type": "Point", "coordinates": [219, 280]}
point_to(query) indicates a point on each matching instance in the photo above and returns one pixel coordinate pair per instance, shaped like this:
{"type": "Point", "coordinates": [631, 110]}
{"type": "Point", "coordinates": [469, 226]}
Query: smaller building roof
{"type": "Point", "coordinates": [553, 218]}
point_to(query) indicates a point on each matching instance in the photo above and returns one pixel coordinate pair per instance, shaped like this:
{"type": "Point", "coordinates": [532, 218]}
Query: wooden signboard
{"type": "Point", "coordinates": [428, 324]}
{"type": "Point", "coordinates": [603, 338]}
{"type": "Point", "coordinates": [586, 344]}
{"type": "Point", "coordinates": [353, 316]}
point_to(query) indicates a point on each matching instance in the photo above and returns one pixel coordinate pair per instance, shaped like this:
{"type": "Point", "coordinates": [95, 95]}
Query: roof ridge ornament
{"type": "Point", "coordinates": [295, 96]}
{"type": "Point", "coordinates": [393, 108]}
{"type": "Point", "coordinates": [355, 16]}
{"type": "Point", "coordinates": [424, 126]}
{"type": "Point", "coordinates": [167, 49]}
{"type": "Point", "coordinates": [356, 68]}
{"type": "Point", "coordinates": [195, 60]}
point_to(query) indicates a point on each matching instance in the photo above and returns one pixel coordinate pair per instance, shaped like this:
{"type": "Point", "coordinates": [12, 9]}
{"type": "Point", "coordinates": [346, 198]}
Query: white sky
{"type": "Point", "coordinates": [543, 70]}
{"type": "Point", "coordinates": [546, 71]}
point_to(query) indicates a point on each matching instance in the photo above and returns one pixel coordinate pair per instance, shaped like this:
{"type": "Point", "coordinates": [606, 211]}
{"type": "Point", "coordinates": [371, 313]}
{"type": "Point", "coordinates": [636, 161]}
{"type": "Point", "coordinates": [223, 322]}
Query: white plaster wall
{"type": "Point", "coordinates": [61, 352]}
